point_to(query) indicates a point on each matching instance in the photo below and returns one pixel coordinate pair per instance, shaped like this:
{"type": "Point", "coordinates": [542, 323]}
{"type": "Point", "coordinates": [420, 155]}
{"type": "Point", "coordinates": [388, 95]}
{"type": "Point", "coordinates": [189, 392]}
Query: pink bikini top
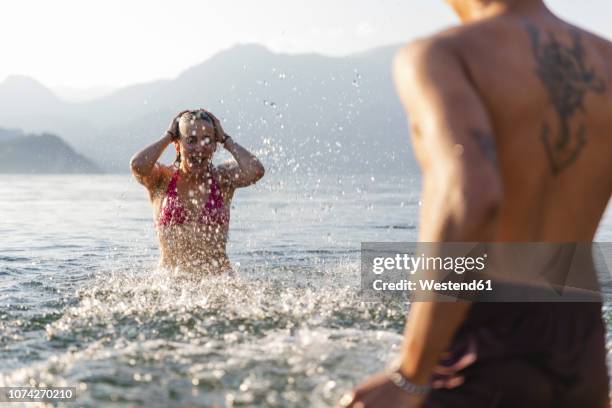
{"type": "Point", "coordinates": [174, 213]}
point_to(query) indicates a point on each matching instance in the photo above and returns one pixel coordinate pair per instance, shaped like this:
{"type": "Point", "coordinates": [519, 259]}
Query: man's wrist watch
{"type": "Point", "coordinates": [402, 382]}
{"type": "Point", "coordinates": [225, 139]}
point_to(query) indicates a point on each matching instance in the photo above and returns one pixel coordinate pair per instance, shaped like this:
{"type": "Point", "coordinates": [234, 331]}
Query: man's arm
{"type": "Point", "coordinates": [454, 143]}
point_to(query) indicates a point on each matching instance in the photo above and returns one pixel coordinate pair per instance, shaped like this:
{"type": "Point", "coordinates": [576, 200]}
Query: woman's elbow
{"type": "Point", "coordinates": [259, 170]}
{"type": "Point", "coordinates": [134, 164]}
{"type": "Point", "coordinates": [137, 166]}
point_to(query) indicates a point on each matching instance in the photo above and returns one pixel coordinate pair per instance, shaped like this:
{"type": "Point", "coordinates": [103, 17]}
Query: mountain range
{"type": "Point", "coordinates": [38, 154]}
{"type": "Point", "coordinates": [309, 112]}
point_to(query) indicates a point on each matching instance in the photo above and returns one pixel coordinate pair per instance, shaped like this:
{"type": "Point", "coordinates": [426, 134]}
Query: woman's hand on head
{"type": "Point", "coordinates": [173, 129]}
{"type": "Point", "coordinates": [219, 133]}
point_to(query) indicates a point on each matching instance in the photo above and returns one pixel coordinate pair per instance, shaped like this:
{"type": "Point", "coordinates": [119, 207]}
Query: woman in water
{"type": "Point", "coordinates": [191, 199]}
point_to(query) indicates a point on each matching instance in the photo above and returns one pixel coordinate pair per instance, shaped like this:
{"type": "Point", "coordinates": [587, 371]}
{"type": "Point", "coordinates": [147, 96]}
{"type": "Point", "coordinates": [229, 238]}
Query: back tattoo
{"type": "Point", "coordinates": [564, 72]}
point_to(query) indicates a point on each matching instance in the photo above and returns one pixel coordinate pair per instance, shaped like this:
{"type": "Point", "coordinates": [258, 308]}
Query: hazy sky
{"type": "Point", "coordinates": [80, 44]}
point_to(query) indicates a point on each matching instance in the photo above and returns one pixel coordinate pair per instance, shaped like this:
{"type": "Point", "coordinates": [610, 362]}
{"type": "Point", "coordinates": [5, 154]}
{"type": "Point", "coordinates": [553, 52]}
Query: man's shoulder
{"type": "Point", "coordinates": [422, 50]}
{"type": "Point", "coordinates": [597, 39]}
{"type": "Point", "coordinates": [457, 41]}
{"type": "Point", "coordinates": [444, 44]}
{"type": "Point", "coordinates": [431, 52]}
{"type": "Point", "coordinates": [603, 45]}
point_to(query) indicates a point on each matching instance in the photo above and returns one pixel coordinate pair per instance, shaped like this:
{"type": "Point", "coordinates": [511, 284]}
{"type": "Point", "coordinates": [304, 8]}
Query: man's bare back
{"type": "Point", "coordinates": [547, 89]}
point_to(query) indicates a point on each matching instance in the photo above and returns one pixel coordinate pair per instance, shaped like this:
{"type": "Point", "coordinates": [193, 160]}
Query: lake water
{"type": "Point", "coordinates": [81, 303]}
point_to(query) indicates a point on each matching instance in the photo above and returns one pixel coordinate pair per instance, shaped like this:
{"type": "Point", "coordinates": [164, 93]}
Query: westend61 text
{"type": "Point", "coordinates": [430, 284]}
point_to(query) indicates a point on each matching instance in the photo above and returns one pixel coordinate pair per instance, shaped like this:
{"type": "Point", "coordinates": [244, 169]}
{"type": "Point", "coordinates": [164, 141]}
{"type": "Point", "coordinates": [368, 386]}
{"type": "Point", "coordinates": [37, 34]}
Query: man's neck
{"type": "Point", "coordinates": [479, 10]}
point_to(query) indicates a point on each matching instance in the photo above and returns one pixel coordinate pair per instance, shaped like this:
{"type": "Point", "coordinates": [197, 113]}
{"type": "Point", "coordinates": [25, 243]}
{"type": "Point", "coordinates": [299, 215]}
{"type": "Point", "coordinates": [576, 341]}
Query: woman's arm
{"type": "Point", "coordinates": [462, 194]}
{"type": "Point", "coordinates": [144, 164]}
{"type": "Point", "coordinates": [246, 170]}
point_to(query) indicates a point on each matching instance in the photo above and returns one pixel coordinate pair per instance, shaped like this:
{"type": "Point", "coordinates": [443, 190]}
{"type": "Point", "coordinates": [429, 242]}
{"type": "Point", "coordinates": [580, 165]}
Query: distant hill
{"type": "Point", "coordinates": [308, 112]}
{"type": "Point", "coordinates": [70, 94]}
{"type": "Point", "coordinates": [46, 153]}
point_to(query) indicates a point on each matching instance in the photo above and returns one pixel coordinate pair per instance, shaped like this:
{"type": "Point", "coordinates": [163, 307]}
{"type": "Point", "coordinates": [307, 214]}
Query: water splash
{"type": "Point", "coordinates": [263, 337]}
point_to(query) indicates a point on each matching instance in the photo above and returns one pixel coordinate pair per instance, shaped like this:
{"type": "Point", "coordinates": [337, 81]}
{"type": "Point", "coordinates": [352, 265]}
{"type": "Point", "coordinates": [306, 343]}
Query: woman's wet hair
{"type": "Point", "coordinates": [192, 115]}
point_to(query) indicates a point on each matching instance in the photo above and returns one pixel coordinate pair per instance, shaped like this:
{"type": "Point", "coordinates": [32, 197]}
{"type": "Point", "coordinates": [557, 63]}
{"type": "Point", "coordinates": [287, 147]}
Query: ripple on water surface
{"type": "Point", "coordinates": [258, 339]}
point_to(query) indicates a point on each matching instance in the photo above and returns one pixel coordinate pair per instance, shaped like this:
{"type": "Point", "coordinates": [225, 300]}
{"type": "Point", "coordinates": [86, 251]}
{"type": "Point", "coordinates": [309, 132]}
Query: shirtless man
{"type": "Point", "coordinates": [511, 117]}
